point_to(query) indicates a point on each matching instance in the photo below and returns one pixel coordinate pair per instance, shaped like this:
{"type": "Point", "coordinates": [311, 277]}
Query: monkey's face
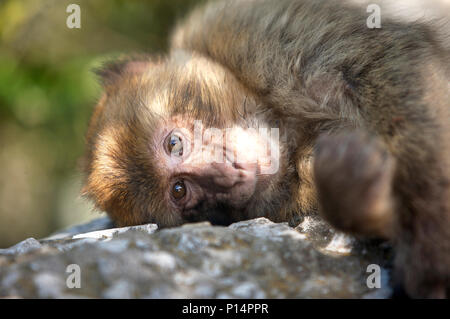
{"type": "Point", "coordinates": [211, 173]}
{"type": "Point", "coordinates": [180, 143]}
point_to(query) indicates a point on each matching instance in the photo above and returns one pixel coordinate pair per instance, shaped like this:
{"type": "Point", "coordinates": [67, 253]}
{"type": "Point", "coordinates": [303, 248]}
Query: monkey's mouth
{"type": "Point", "coordinates": [224, 196]}
{"type": "Point", "coordinates": [220, 215]}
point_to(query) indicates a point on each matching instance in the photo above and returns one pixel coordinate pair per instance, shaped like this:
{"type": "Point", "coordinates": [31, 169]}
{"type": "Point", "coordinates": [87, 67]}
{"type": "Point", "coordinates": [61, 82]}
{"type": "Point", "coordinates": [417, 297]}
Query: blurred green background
{"type": "Point", "coordinates": [47, 93]}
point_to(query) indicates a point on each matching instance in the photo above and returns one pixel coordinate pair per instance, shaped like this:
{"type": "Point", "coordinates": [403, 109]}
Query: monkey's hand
{"type": "Point", "coordinates": [353, 175]}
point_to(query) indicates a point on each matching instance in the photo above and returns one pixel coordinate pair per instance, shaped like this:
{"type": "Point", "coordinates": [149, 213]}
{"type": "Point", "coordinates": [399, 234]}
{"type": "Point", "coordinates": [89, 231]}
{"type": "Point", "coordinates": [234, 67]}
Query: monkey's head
{"type": "Point", "coordinates": [177, 140]}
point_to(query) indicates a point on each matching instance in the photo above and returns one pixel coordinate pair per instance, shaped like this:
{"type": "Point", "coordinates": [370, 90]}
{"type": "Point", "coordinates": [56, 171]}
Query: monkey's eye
{"type": "Point", "coordinates": [179, 190]}
{"type": "Point", "coordinates": [175, 145]}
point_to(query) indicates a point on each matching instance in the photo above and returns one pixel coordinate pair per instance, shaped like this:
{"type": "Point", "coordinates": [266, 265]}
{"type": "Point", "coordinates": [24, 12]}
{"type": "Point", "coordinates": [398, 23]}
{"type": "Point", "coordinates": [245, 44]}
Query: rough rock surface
{"type": "Point", "coordinates": [249, 259]}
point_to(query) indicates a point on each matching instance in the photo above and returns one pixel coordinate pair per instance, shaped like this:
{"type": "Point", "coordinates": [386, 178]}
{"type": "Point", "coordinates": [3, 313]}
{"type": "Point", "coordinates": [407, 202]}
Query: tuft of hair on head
{"type": "Point", "coordinates": [112, 70]}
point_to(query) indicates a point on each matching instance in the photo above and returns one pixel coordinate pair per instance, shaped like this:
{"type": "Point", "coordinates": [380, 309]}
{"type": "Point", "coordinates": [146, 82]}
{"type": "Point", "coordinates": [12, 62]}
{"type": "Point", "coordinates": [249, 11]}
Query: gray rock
{"type": "Point", "coordinates": [249, 259]}
{"type": "Point", "coordinates": [23, 247]}
{"type": "Point", "coordinates": [96, 224]}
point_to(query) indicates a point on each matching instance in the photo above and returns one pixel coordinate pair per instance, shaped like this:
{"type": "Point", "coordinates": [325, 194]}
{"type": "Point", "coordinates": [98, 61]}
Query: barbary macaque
{"type": "Point", "coordinates": [280, 108]}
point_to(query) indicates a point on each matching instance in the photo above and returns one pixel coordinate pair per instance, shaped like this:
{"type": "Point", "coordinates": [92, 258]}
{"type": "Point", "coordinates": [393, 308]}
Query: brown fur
{"type": "Point", "coordinates": [123, 177]}
{"type": "Point", "coordinates": [378, 99]}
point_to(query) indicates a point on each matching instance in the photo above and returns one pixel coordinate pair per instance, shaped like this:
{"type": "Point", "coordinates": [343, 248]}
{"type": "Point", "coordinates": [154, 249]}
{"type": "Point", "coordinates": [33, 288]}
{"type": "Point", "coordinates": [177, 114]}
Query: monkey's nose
{"type": "Point", "coordinates": [228, 175]}
{"type": "Point", "coordinates": [222, 177]}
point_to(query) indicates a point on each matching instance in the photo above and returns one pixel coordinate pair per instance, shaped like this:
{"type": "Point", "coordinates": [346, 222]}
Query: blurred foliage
{"type": "Point", "coordinates": [47, 93]}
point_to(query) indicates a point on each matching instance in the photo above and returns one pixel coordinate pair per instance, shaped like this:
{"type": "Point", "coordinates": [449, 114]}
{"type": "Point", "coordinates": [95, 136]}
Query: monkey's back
{"type": "Point", "coordinates": [303, 56]}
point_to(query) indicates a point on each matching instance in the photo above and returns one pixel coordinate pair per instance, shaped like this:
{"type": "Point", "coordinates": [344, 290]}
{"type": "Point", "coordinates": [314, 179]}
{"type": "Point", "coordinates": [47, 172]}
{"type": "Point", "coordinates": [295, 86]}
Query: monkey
{"type": "Point", "coordinates": [363, 117]}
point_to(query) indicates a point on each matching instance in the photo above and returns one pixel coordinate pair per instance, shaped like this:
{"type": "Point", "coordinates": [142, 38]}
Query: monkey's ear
{"type": "Point", "coordinates": [113, 71]}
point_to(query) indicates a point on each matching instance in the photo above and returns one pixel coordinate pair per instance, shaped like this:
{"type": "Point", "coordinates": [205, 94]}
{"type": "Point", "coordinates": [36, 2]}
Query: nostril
{"type": "Point", "coordinates": [226, 181]}
{"type": "Point", "coordinates": [247, 167]}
